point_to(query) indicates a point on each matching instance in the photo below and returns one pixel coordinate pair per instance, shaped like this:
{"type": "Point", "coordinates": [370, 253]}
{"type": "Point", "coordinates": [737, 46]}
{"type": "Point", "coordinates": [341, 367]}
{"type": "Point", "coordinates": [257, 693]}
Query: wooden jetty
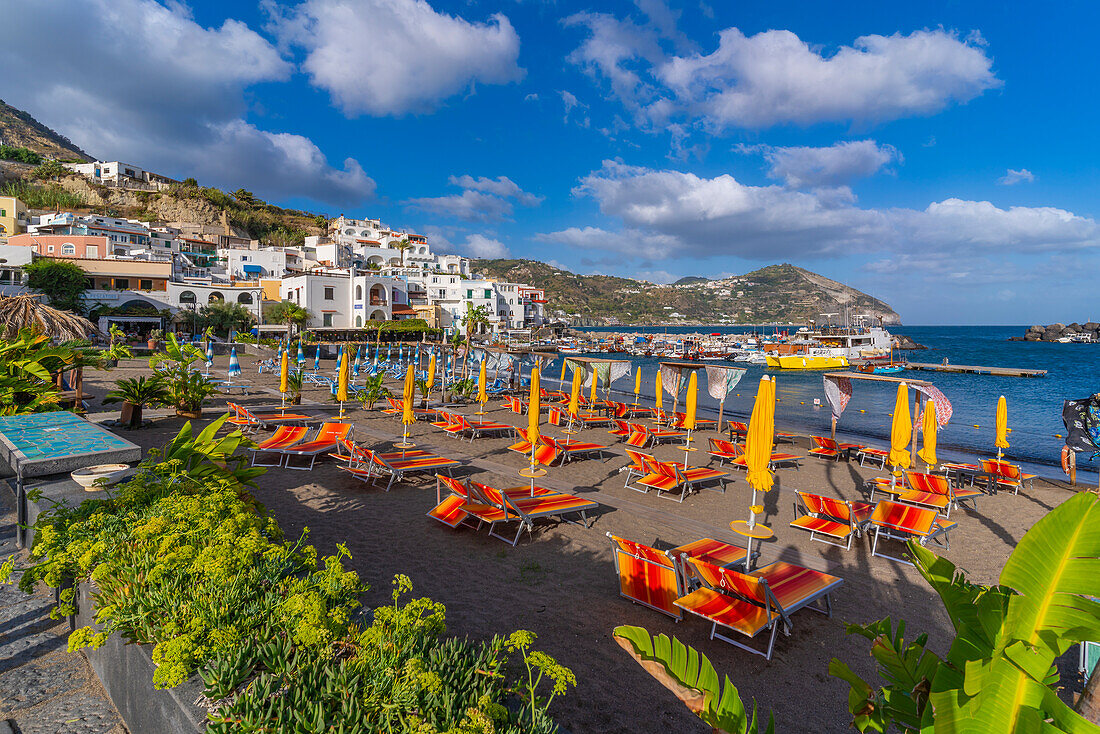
{"type": "Point", "coordinates": [974, 370]}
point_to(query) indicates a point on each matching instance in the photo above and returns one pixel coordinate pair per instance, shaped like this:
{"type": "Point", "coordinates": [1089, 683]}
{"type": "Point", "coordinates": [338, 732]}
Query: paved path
{"type": "Point", "coordinates": [44, 689]}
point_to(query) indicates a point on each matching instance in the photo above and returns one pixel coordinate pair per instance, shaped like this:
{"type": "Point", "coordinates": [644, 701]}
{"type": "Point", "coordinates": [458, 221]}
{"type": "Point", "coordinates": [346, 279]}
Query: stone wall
{"type": "Point", "coordinates": [1054, 332]}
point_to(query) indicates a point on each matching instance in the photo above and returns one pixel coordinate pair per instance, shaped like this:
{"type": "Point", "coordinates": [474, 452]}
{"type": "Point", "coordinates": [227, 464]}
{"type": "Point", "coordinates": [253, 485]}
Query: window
{"type": "Point", "coordinates": [122, 284]}
{"type": "Point", "coordinates": [68, 249]}
{"type": "Point", "coordinates": [91, 251]}
{"type": "Point", "coordinates": [326, 319]}
{"type": "Point", "coordinates": [145, 285]}
{"type": "Point", "coordinates": [358, 321]}
{"type": "Point", "coordinates": [3, 213]}
{"type": "Point", "coordinates": [359, 293]}
{"type": "Point", "coordinates": [488, 293]}
{"type": "Point", "coordinates": [469, 294]}
{"type": "Point", "coordinates": [330, 295]}
{"type": "Point", "coordinates": [49, 248]}
{"type": "Point", "coordinates": [245, 298]}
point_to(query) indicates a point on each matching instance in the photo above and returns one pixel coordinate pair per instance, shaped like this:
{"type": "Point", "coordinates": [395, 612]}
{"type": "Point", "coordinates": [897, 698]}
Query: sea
{"type": "Point", "coordinates": [1034, 404]}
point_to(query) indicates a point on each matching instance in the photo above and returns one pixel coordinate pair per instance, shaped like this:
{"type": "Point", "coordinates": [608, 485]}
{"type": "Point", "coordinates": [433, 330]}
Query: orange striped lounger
{"type": "Point", "coordinates": [896, 521]}
{"type": "Point", "coordinates": [398, 465]}
{"type": "Point", "coordinates": [829, 520]}
{"type": "Point", "coordinates": [647, 576]}
{"type": "Point", "coordinates": [284, 437]}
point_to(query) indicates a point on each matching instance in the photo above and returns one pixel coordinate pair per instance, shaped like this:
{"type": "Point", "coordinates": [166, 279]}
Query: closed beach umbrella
{"type": "Point", "coordinates": [355, 365]}
{"type": "Point", "coordinates": [533, 408]}
{"type": "Point", "coordinates": [431, 372]}
{"type": "Point", "coordinates": [234, 363]}
{"type": "Point", "coordinates": [929, 428]}
{"type": "Point", "coordinates": [575, 393]}
{"type": "Point", "coordinates": [342, 380]}
{"type": "Point", "coordinates": [595, 382]}
{"type": "Point", "coordinates": [637, 385]}
{"type": "Point", "coordinates": [407, 396]}
{"type": "Point", "coordinates": [564, 363]}
{"type": "Point", "coordinates": [1002, 426]}
{"type": "Point", "coordinates": [389, 352]}
{"type": "Point", "coordinates": [658, 384]}
{"type": "Point", "coordinates": [482, 396]}
{"type": "Point", "coordinates": [301, 355]}
{"type": "Point", "coordinates": [209, 353]}
{"type": "Point", "coordinates": [758, 442]}
{"type": "Point", "coordinates": [317, 359]}
{"type": "Point", "coordinates": [901, 432]}
{"type": "Point", "coordinates": [690, 401]}
{"type": "Point", "coordinates": [284, 372]}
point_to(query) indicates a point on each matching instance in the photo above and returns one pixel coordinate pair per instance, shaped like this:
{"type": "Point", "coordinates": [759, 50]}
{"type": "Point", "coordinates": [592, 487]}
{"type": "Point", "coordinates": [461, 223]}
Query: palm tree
{"type": "Point", "coordinates": [27, 311]}
{"type": "Point", "coordinates": [289, 313]}
{"type": "Point", "coordinates": [474, 318]}
{"type": "Point", "coordinates": [401, 247]}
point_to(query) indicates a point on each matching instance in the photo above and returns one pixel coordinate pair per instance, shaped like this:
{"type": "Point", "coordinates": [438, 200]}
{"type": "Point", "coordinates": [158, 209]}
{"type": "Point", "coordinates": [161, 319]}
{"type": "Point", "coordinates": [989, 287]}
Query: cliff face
{"type": "Point", "coordinates": [777, 293]}
{"type": "Point", "coordinates": [19, 129]}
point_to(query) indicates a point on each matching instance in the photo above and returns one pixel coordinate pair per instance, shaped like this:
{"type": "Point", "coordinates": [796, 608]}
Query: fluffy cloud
{"type": "Point", "coordinates": [1013, 177]}
{"type": "Point", "coordinates": [670, 214]}
{"type": "Point", "coordinates": [391, 57]}
{"type": "Point", "coordinates": [482, 199]}
{"type": "Point", "coordinates": [775, 78]}
{"type": "Point", "coordinates": [477, 245]}
{"type": "Point", "coordinates": [835, 165]}
{"type": "Point", "coordinates": [179, 111]}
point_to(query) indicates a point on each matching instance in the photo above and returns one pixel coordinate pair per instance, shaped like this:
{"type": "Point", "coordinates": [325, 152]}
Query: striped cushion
{"type": "Point", "coordinates": [925, 499]}
{"type": "Point", "coordinates": [823, 526]}
{"type": "Point", "coordinates": [712, 551]}
{"type": "Point", "coordinates": [658, 481]}
{"type": "Point", "coordinates": [793, 585]}
{"type": "Point", "coordinates": [702, 473]}
{"type": "Point", "coordinates": [650, 584]}
{"type": "Point", "coordinates": [450, 511]}
{"type": "Point", "coordinates": [743, 616]}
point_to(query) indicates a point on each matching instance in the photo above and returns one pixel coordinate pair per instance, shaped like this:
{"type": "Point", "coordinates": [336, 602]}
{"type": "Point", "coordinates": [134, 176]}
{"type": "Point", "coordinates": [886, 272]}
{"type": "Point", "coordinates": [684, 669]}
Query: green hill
{"type": "Point", "coordinates": [776, 293]}
{"type": "Point", "coordinates": [19, 129]}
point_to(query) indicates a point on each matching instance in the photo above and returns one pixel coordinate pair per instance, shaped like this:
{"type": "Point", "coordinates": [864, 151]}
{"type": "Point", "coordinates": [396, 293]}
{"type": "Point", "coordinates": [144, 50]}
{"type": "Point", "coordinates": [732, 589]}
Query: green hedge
{"type": "Point", "coordinates": [183, 557]}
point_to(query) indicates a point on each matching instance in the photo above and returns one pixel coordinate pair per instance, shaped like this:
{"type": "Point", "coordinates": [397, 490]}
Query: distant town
{"type": "Point", "coordinates": [359, 271]}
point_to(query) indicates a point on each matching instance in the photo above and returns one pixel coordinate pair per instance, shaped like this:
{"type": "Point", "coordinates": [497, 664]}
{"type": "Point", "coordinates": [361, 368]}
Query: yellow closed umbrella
{"type": "Point", "coordinates": [407, 416]}
{"type": "Point", "coordinates": [284, 375]}
{"type": "Point", "coordinates": [342, 381]}
{"type": "Point", "coordinates": [901, 432]}
{"type": "Point", "coordinates": [758, 454]}
{"type": "Point", "coordinates": [592, 396]}
{"type": "Point", "coordinates": [929, 428]}
{"type": "Point", "coordinates": [1002, 426]}
{"type": "Point", "coordinates": [431, 373]}
{"type": "Point", "coordinates": [575, 393]}
{"type": "Point", "coordinates": [564, 364]}
{"type": "Point", "coordinates": [533, 408]}
{"type": "Point", "coordinates": [482, 396]}
{"type": "Point", "coordinates": [659, 386]}
{"type": "Point", "coordinates": [689, 414]}
{"type": "Point", "coordinates": [637, 385]}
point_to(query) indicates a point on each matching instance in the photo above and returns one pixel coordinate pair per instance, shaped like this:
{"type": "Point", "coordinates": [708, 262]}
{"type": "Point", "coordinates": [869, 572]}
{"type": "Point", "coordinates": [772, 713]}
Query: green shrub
{"type": "Point", "coordinates": [19, 154]}
{"type": "Point", "coordinates": [43, 196]}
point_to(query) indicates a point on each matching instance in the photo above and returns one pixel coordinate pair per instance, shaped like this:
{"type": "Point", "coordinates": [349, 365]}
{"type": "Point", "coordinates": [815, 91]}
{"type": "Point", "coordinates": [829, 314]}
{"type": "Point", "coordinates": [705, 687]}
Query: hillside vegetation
{"type": "Point", "coordinates": [776, 293]}
{"type": "Point", "coordinates": [20, 129]}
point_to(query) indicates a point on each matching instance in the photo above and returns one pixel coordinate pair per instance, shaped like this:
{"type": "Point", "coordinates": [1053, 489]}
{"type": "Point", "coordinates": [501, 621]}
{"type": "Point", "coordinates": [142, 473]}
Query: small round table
{"type": "Point", "coordinates": [405, 445]}
{"type": "Point", "coordinates": [532, 472]}
{"type": "Point", "coordinates": [759, 531]}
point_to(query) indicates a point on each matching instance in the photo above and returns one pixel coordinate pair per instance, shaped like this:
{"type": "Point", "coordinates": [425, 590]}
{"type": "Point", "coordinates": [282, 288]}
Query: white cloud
{"type": "Point", "coordinates": [775, 78]}
{"type": "Point", "coordinates": [1013, 177]}
{"type": "Point", "coordinates": [477, 245]}
{"type": "Point", "coordinates": [671, 214]}
{"type": "Point", "coordinates": [166, 93]}
{"type": "Point", "coordinates": [501, 186]}
{"type": "Point", "coordinates": [482, 199]}
{"type": "Point", "coordinates": [392, 57]}
{"type": "Point", "coordinates": [836, 165]}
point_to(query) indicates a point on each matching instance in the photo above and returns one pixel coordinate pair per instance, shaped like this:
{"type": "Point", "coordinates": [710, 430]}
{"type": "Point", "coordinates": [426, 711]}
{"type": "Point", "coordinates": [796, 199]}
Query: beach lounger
{"type": "Point", "coordinates": [737, 429]}
{"type": "Point", "coordinates": [710, 550]}
{"type": "Point", "coordinates": [1006, 476]}
{"type": "Point", "coordinates": [657, 435]}
{"type": "Point", "coordinates": [647, 576]}
{"type": "Point", "coordinates": [567, 450]}
{"type": "Point", "coordinates": [867, 454]}
{"type": "Point", "coordinates": [701, 424]}
{"type": "Point", "coordinates": [477, 429]}
{"type": "Point", "coordinates": [896, 521]}
{"type": "Point", "coordinates": [545, 453]}
{"type": "Point", "coordinates": [752, 603]}
{"type": "Point", "coordinates": [827, 448]}
{"type": "Point", "coordinates": [636, 467]}
{"type": "Point", "coordinates": [622, 429]}
{"type": "Point", "coordinates": [497, 508]}
{"type": "Point", "coordinates": [284, 437]}
{"type": "Point", "coordinates": [397, 465]}
{"type": "Point", "coordinates": [667, 477]}
{"type": "Point", "coordinates": [327, 438]}
{"type": "Point", "coordinates": [735, 455]}
{"type": "Point", "coordinates": [830, 520]}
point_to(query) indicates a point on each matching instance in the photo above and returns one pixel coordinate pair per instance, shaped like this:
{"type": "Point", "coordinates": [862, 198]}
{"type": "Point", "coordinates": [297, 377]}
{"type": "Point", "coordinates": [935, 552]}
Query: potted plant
{"type": "Point", "coordinates": [154, 338]}
{"type": "Point", "coordinates": [187, 387]}
{"type": "Point", "coordinates": [372, 391]}
{"type": "Point", "coordinates": [294, 382]}
{"type": "Point", "coordinates": [135, 394]}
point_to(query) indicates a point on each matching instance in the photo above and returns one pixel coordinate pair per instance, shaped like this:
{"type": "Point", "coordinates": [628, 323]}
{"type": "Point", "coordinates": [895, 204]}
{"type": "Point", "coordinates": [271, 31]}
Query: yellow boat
{"type": "Point", "coordinates": [806, 361]}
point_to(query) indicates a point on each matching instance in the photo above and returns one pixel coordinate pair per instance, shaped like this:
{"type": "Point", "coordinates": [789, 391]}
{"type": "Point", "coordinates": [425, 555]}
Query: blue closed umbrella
{"type": "Point", "coordinates": [209, 356]}
{"type": "Point", "coordinates": [234, 364]}
{"type": "Point", "coordinates": [389, 352]}
{"type": "Point", "coordinates": [355, 364]}
{"type": "Point", "coordinates": [301, 354]}
{"type": "Point", "coordinates": [317, 359]}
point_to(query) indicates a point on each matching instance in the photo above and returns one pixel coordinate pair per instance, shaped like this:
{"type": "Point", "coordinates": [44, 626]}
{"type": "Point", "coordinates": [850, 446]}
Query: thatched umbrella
{"type": "Point", "coordinates": [27, 311]}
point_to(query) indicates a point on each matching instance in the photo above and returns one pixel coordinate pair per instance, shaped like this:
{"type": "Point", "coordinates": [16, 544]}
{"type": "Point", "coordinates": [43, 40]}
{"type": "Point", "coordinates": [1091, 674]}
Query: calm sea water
{"type": "Point", "coordinates": [1034, 404]}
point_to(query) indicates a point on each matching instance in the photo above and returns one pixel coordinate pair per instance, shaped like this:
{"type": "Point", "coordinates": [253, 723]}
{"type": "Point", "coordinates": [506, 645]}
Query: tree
{"type": "Point", "coordinates": [49, 170]}
{"type": "Point", "coordinates": [321, 222]}
{"type": "Point", "coordinates": [475, 317]}
{"type": "Point", "coordinates": [289, 313]}
{"type": "Point", "coordinates": [401, 247]}
{"type": "Point", "coordinates": [63, 283]}
{"type": "Point", "coordinates": [190, 183]}
{"type": "Point", "coordinates": [223, 317]}
{"type": "Point", "coordinates": [244, 197]}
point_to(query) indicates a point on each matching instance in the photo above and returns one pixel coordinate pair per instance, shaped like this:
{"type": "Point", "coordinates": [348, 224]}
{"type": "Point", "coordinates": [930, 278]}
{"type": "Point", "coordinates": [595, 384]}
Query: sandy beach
{"type": "Point", "coordinates": [560, 582]}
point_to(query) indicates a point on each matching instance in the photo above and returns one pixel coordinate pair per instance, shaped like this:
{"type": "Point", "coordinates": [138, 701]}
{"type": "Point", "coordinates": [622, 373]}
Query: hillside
{"type": "Point", "coordinates": [777, 293]}
{"type": "Point", "coordinates": [19, 129]}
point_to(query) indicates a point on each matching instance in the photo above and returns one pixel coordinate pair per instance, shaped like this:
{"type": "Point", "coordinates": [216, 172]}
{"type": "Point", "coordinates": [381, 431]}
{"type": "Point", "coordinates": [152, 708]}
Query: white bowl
{"type": "Point", "coordinates": [88, 476]}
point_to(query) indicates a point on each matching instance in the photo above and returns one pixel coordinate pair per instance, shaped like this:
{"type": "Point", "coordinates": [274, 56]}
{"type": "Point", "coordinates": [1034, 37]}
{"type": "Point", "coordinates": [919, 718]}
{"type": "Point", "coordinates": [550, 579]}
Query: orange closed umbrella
{"type": "Point", "coordinates": [901, 432]}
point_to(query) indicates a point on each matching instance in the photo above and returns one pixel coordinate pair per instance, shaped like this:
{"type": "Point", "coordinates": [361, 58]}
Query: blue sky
{"type": "Point", "coordinates": [939, 155]}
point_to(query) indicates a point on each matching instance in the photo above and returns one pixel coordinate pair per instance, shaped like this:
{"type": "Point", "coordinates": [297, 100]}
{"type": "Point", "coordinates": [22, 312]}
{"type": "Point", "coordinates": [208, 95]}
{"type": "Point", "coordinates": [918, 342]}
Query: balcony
{"type": "Point", "coordinates": [378, 302]}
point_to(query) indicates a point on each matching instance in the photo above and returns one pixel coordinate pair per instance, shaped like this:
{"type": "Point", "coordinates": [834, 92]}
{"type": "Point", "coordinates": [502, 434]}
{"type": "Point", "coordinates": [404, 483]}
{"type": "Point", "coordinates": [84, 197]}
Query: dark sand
{"type": "Point", "coordinates": [560, 582]}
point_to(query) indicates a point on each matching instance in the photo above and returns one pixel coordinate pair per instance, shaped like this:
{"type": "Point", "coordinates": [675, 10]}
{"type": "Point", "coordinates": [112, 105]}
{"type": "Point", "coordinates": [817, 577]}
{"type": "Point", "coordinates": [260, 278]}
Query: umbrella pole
{"type": "Point", "coordinates": [687, 448]}
{"type": "Point", "coordinates": [832, 432]}
{"type": "Point", "coordinates": [721, 408]}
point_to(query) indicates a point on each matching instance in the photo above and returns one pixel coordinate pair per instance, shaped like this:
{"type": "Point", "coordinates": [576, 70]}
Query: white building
{"type": "Point", "coordinates": [116, 172]}
{"type": "Point", "coordinates": [347, 299]}
{"type": "Point", "coordinates": [269, 262]}
{"type": "Point", "coordinates": [509, 305]}
{"type": "Point", "coordinates": [368, 242]}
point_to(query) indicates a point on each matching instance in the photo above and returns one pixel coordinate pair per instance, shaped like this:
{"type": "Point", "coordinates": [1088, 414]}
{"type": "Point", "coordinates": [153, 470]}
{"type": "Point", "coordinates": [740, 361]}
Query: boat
{"type": "Point", "coordinates": [891, 368]}
{"type": "Point", "coordinates": [811, 360]}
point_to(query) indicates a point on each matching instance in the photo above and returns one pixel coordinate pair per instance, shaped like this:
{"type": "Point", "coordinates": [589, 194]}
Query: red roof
{"type": "Point", "coordinates": [400, 310]}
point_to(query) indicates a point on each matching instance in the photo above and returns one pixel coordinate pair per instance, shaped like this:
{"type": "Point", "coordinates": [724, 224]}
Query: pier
{"type": "Point", "coordinates": [968, 369]}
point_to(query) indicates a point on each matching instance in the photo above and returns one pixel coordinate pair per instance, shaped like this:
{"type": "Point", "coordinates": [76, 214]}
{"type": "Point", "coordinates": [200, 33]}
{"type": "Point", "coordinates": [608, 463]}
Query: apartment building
{"type": "Point", "coordinates": [13, 217]}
